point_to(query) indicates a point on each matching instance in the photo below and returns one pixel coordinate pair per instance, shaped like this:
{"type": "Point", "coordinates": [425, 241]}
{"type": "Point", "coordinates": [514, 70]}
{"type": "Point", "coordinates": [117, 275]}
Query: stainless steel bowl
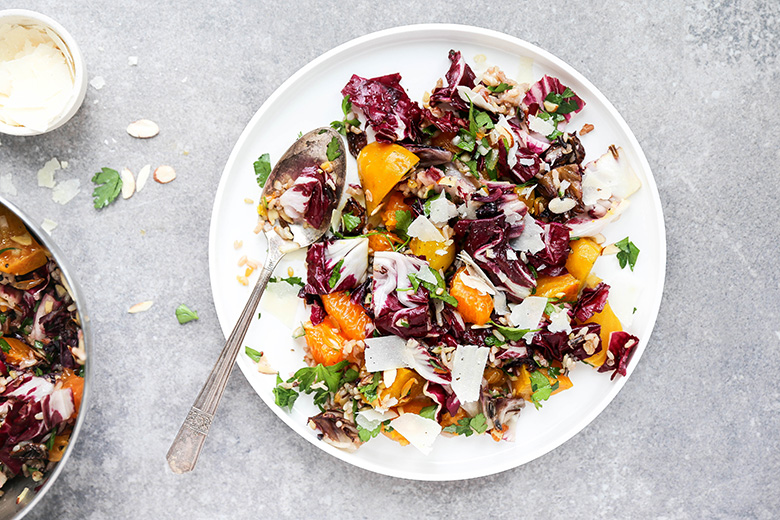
{"type": "Point", "coordinates": [9, 508]}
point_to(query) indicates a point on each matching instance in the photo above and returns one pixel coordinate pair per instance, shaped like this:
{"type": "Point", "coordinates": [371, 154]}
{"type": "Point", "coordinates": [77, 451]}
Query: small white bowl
{"type": "Point", "coordinates": [72, 54]}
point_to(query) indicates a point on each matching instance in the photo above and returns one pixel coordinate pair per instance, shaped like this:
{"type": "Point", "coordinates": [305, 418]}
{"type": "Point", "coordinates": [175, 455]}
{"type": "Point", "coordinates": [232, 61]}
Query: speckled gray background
{"type": "Point", "coordinates": [694, 434]}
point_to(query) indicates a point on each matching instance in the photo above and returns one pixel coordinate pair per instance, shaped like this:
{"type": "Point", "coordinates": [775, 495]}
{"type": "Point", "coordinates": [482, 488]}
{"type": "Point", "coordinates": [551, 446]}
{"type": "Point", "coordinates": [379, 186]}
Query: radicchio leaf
{"type": "Point", "coordinates": [459, 73]}
{"type": "Point", "coordinates": [308, 198]}
{"type": "Point", "coordinates": [533, 102]}
{"type": "Point", "coordinates": [397, 308]}
{"type": "Point", "coordinates": [551, 260]}
{"type": "Point", "coordinates": [349, 255]}
{"type": "Point", "coordinates": [591, 302]}
{"type": "Point", "coordinates": [622, 346]}
{"type": "Point", "coordinates": [389, 111]}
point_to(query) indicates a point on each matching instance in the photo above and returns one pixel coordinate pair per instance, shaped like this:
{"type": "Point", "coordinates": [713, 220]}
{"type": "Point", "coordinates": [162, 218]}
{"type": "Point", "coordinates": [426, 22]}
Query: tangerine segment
{"type": "Point", "coordinates": [395, 202]}
{"type": "Point", "coordinates": [584, 253]}
{"type": "Point", "coordinates": [609, 324]}
{"type": "Point", "coordinates": [58, 447]}
{"type": "Point", "coordinates": [439, 254]}
{"type": "Point", "coordinates": [75, 383]}
{"type": "Point", "coordinates": [21, 252]}
{"type": "Point", "coordinates": [325, 342]}
{"type": "Point", "coordinates": [380, 167]}
{"type": "Point", "coordinates": [473, 305]}
{"type": "Point", "coordinates": [383, 241]}
{"type": "Point", "coordinates": [521, 387]}
{"type": "Point", "coordinates": [20, 354]}
{"type": "Point", "coordinates": [350, 317]}
{"type": "Point", "coordinates": [563, 287]}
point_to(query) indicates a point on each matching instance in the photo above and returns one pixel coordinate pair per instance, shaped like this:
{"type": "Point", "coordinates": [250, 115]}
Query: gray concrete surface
{"type": "Point", "coordinates": [694, 434]}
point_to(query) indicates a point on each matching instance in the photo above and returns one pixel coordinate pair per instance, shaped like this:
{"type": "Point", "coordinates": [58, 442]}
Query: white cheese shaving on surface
{"type": "Point", "coordinates": [468, 366]}
{"type": "Point", "coordinates": [7, 184]}
{"type": "Point", "coordinates": [624, 293]}
{"type": "Point", "coordinates": [419, 431]}
{"type": "Point", "coordinates": [530, 240]}
{"type": "Point", "coordinates": [132, 61]}
{"type": "Point", "coordinates": [527, 314]}
{"type": "Point", "coordinates": [388, 376]}
{"type": "Point", "coordinates": [48, 225]}
{"type": "Point", "coordinates": [475, 282]}
{"type": "Point", "coordinates": [64, 191]}
{"type": "Point", "coordinates": [46, 174]}
{"type": "Point", "coordinates": [559, 321]}
{"type": "Point", "coordinates": [423, 229]}
{"type": "Point", "coordinates": [281, 301]}
{"type": "Point", "coordinates": [97, 82]}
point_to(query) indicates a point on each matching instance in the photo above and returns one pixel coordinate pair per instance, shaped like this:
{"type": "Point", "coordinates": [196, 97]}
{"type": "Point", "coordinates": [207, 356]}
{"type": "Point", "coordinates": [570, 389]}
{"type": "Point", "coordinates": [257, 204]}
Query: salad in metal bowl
{"type": "Point", "coordinates": [42, 357]}
{"type": "Point", "coordinates": [456, 284]}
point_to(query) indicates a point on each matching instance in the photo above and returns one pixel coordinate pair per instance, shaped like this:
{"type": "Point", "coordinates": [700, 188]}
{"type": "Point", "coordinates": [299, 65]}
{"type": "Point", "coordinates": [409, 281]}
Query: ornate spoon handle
{"type": "Point", "coordinates": [184, 452]}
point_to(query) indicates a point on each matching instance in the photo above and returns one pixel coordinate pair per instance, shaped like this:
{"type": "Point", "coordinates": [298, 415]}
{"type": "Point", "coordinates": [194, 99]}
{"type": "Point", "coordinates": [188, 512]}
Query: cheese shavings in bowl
{"type": "Point", "coordinates": [456, 285]}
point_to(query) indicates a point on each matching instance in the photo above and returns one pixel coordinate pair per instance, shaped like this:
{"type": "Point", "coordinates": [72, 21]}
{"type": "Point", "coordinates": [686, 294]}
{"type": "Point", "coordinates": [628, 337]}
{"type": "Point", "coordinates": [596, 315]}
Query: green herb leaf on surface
{"type": "Point", "coordinates": [184, 314]}
{"type": "Point", "coordinates": [333, 150]}
{"type": "Point", "coordinates": [262, 169]}
{"type": "Point", "coordinates": [628, 253]}
{"type": "Point", "coordinates": [253, 354]}
{"type": "Point", "coordinates": [109, 186]}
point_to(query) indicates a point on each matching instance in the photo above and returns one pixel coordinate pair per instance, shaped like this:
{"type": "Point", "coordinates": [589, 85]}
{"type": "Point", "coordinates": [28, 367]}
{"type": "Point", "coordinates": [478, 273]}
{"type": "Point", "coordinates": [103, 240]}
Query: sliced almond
{"type": "Point", "coordinates": [140, 307]}
{"type": "Point", "coordinates": [164, 174]}
{"type": "Point", "coordinates": [143, 176]}
{"type": "Point", "coordinates": [143, 129]}
{"type": "Point", "coordinates": [128, 183]}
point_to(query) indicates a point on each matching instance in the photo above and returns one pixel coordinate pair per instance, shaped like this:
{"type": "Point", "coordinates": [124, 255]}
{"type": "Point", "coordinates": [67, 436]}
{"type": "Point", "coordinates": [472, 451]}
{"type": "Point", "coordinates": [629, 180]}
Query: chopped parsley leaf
{"type": "Point", "coordinates": [403, 219]}
{"type": "Point", "coordinates": [184, 314]}
{"type": "Point", "coordinates": [4, 346]}
{"type": "Point", "coordinates": [109, 185]}
{"type": "Point", "coordinates": [468, 426]}
{"type": "Point", "coordinates": [351, 222]}
{"type": "Point", "coordinates": [292, 280]}
{"type": "Point", "coordinates": [284, 397]}
{"type": "Point", "coordinates": [369, 391]}
{"type": "Point", "coordinates": [253, 354]}
{"type": "Point", "coordinates": [262, 169]}
{"type": "Point", "coordinates": [333, 151]}
{"type": "Point", "coordinates": [366, 435]}
{"type": "Point", "coordinates": [429, 412]}
{"type": "Point", "coordinates": [336, 274]}
{"type": "Point", "coordinates": [511, 333]}
{"type": "Point", "coordinates": [501, 87]}
{"type": "Point", "coordinates": [628, 253]}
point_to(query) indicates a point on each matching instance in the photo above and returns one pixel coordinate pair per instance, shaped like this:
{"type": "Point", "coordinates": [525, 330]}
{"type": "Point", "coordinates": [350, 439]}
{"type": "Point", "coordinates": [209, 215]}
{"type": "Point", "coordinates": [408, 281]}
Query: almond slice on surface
{"type": "Point", "coordinates": [128, 183]}
{"type": "Point", "coordinates": [143, 129]}
{"type": "Point", "coordinates": [164, 174]}
{"type": "Point", "coordinates": [140, 307]}
{"type": "Point", "coordinates": [143, 176]}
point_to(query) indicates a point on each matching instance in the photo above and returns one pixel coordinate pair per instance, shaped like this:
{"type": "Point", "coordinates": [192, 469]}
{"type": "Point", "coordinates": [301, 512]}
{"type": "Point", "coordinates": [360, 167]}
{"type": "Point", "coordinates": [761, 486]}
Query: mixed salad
{"type": "Point", "coordinates": [455, 284]}
{"type": "Point", "coordinates": [42, 355]}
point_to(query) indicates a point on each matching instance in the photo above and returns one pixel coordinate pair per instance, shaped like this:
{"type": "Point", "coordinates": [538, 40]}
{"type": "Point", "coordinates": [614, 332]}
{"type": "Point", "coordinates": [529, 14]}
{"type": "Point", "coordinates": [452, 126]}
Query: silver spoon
{"type": "Point", "coordinates": [309, 150]}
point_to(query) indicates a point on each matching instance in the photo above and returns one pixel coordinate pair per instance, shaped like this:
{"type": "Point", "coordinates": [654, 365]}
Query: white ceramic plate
{"type": "Point", "coordinates": [311, 98]}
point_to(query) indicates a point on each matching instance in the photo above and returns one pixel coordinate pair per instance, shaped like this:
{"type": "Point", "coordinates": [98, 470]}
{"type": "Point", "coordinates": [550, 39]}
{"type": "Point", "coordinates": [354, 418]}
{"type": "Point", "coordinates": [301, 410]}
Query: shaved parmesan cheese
{"type": "Point", "coordinates": [46, 174]}
{"type": "Point", "coordinates": [7, 184]}
{"type": "Point", "coordinates": [65, 191]}
{"type": "Point", "coordinates": [559, 321]}
{"type": "Point", "coordinates": [609, 175]}
{"type": "Point", "coordinates": [36, 79]}
{"type": "Point", "coordinates": [97, 82]}
{"type": "Point", "coordinates": [469, 96]}
{"type": "Point", "coordinates": [281, 300]}
{"type": "Point", "coordinates": [423, 229]}
{"type": "Point", "coordinates": [370, 419]}
{"type": "Point", "coordinates": [475, 282]}
{"type": "Point", "coordinates": [132, 61]}
{"type": "Point", "coordinates": [388, 376]}
{"type": "Point", "coordinates": [442, 210]}
{"type": "Point", "coordinates": [499, 298]}
{"type": "Point", "coordinates": [537, 124]}
{"type": "Point", "coordinates": [528, 314]}
{"type": "Point", "coordinates": [530, 241]}
{"type": "Point", "coordinates": [48, 225]}
{"type": "Point", "coordinates": [468, 366]}
{"type": "Point", "coordinates": [385, 353]}
{"type": "Point", "coordinates": [426, 275]}
{"type": "Point", "coordinates": [143, 176]}
{"type": "Point", "coordinates": [419, 431]}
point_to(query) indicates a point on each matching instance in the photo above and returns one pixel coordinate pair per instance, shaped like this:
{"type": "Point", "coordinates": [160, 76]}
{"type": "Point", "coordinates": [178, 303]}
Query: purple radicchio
{"type": "Point", "coordinates": [622, 346]}
{"type": "Point", "coordinates": [389, 111]}
{"type": "Point", "coordinates": [448, 123]}
{"type": "Point", "coordinates": [585, 340]}
{"type": "Point", "coordinates": [533, 102]}
{"type": "Point", "coordinates": [308, 198]}
{"type": "Point", "coordinates": [335, 266]}
{"type": "Point", "coordinates": [486, 241]}
{"type": "Point", "coordinates": [446, 402]}
{"type": "Point", "coordinates": [459, 74]}
{"type": "Point", "coordinates": [502, 198]}
{"type": "Point", "coordinates": [551, 260]}
{"type": "Point", "coordinates": [519, 164]}
{"type": "Point", "coordinates": [426, 364]}
{"type": "Point", "coordinates": [397, 308]}
{"type": "Point", "coordinates": [591, 302]}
